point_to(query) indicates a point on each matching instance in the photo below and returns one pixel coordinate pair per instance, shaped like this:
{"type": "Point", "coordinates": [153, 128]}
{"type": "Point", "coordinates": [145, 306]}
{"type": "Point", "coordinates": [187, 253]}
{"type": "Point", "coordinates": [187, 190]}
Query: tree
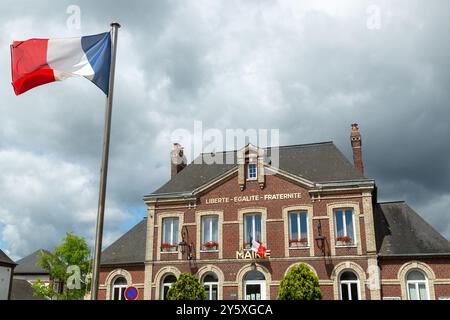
{"type": "Point", "coordinates": [187, 287]}
{"type": "Point", "coordinates": [300, 283]}
{"type": "Point", "coordinates": [69, 266]}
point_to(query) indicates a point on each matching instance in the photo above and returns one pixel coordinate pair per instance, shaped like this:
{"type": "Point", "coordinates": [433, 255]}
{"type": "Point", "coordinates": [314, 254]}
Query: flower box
{"type": "Point", "coordinates": [298, 242]}
{"type": "Point", "coordinates": [167, 247]}
{"type": "Point", "coordinates": [343, 241]}
{"type": "Point", "coordinates": [210, 246]}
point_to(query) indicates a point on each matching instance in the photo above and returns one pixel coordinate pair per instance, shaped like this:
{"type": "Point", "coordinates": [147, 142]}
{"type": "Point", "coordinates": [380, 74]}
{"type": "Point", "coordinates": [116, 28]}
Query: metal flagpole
{"type": "Point", "coordinates": [104, 168]}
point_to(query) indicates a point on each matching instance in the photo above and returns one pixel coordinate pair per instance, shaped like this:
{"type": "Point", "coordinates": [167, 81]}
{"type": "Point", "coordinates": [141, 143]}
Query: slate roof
{"type": "Point", "coordinates": [401, 231]}
{"type": "Point", "coordinates": [22, 290]}
{"type": "Point", "coordinates": [5, 259]}
{"type": "Point", "coordinates": [27, 265]}
{"type": "Point", "coordinates": [316, 162]}
{"type": "Point", "coordinates": [128, 249]}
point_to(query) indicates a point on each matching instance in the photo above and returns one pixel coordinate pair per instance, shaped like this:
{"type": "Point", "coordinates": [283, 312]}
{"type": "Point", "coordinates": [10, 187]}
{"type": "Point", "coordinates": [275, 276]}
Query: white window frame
{"type": "Point", "coordinates": [253, 215]}
{"type": "Point", "coordinates": [262, 285]}
{"type": "Point", "coordinates": [121, 288]}
{"type": "Point", "coordinates": [248, 171]}
{"type": "Point", "coordinates": [348, 285]}
{"type": "Point", "coordinates": [202, 237]}
{"type": "Point", "coordinates": [172, 219]}
{"type": "Point", "coordinates": [298, 213]}
{"type": "Point", "coordinates": [344, 218]}
{"type": "Point", "coordinates": [210, 285]}
{"type": "Point", "coordinates": [416, 285]}
{"type": "Point", "coordinates": [163, 285]}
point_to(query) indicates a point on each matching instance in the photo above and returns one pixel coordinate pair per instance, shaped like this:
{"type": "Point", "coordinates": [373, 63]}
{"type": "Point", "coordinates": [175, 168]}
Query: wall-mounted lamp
{"type": "Point", "coordinates": [320, 239]}
{"type": "Point", "coordinates": [184, 245]}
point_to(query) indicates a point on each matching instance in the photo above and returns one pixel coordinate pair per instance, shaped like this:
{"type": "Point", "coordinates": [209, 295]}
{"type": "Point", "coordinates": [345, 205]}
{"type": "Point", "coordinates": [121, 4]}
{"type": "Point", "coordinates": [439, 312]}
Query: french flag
{"type": "Point", "coordinates": [258, 248]}
{"type": "Point", "coordinates": [36, 62]}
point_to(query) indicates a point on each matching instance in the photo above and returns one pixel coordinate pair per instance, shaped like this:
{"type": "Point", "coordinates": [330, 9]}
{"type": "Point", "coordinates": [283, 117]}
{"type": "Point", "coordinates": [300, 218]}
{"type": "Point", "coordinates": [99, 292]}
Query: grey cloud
{"type": "Point", "coordinates": [306, 68]}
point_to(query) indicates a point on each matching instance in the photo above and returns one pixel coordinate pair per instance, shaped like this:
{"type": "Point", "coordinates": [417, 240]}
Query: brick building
{"type": "Point", "coordinates": [303, 203]}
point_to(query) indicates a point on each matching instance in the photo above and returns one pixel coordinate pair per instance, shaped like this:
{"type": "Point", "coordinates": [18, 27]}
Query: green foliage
{"type": "Point", "coordinates": [187, 287]}
{"type": "Point", "coordinates": [72, 252]}
{"type": "Point", "coordinates": [300, 283]}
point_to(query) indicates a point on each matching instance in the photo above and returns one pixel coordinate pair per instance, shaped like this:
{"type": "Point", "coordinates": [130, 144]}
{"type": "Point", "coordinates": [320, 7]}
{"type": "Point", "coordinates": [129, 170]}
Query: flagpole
{"type": "Point", "coordinates": [104, 166]}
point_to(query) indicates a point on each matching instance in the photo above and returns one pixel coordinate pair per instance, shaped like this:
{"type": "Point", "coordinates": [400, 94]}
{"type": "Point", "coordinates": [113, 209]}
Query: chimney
{"type": "Point", "coordinates": [355, 139]}
{"type": "Point", "coordinates": [177, 159]}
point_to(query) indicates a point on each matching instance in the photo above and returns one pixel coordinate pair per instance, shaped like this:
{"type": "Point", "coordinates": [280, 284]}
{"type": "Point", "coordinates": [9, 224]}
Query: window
{"type": "Point", "coordinates": [298, 229]}
{"type": "Point", "coordinates": [170, 235]}
{"type": "Point", "coordinates": [119, 286]}
{"type": "Point", "coordinates": [349, 285]}
{"type": "Point", "coordinates": [345, 234]}
{"type": "Point", "coordinates": [417, 285]}
{"type": "Point", "coordinates": [254, 286]}
{"type": "Point", "coordinates": [166, 284]}
{"type": "Point", "coordinates": [252, 171]}
{"type": "Point", "coordinates": [252, 229]}
{"type": "Point", "coordinates": [211, 283]}
{"type": "Point", "coordinates": [210, 232]}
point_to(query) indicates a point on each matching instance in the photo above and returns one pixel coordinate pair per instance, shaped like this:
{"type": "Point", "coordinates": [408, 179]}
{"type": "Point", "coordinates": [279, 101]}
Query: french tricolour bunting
{"type": "Point", "coordinates": [36, 62]}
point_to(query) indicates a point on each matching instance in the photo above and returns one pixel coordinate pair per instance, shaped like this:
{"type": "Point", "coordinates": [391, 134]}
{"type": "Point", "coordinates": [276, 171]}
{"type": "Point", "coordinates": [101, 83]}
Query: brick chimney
{"type": "Point", "coordinates": [177, 159]}
{"type": "Point", "coordinates": [355, 139]}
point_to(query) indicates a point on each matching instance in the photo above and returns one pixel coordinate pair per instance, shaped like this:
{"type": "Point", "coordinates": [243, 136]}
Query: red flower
{"type": "Point", "coordinates": [344, 238]}
{"type": "Point", "coordinates": [167, 245]}
{"type": "Point", "coordinates": [210, 244]}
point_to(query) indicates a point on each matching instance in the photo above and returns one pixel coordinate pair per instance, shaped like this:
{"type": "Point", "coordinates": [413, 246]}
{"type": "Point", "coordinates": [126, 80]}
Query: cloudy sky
{"type": "Point", "coordinates": [308, 68]}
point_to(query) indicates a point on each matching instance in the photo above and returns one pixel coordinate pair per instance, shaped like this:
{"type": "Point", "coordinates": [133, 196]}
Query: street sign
{"type": "Point", "coordinates": [131, 293]}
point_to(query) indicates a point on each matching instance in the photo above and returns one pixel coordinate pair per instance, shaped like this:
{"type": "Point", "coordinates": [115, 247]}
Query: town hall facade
{"type": "Point", "coordinates": [313, 206]}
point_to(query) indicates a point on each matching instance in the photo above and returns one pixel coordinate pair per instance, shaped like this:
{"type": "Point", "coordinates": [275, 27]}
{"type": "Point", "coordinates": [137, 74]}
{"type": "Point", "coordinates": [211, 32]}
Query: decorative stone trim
{"type": "Point", "coordinates": [374, 280]}
{"type": "Point", "coordinates": [297, 263]}
{"type": "Point", "coordinates": [149, 251]}
{"type": "Point", "coordinates": [369, 225]}
{"type": "Point", "coordinates": [242, 212]}
{"type": "Point", "coordinates": [243, 271]}
{"type": "Point", "coordinates": [309, 212]}
{"type": "Point", "coordinates": [112, 276]}
{"type": "Point", "coordinates": [425, 268]}
{"type": "Point", "coordinates": [198, 222]}
{"type": "Point", "coordinates": [159, 277]}
{"type": "Point", "coordinates": [348, 266]}
{"type": "Point", "coordinates": [221, 278]}
{"type": "Point", "coordinates": [161, 216]}
{"type": "Point", "coordinates": [343, 205]}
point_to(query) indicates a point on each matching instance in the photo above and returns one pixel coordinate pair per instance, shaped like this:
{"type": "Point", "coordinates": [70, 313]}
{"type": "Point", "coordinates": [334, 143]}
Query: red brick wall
{"type": "Point", "coordinates": [137, 276]}
{"type": "Point", "coordinates": [274, 229]}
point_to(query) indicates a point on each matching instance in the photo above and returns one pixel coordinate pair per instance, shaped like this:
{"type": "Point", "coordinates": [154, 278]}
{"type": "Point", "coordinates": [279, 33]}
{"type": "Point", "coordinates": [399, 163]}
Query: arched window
{"type": "Point", "coordinates": [211, 283]}
{"type": "Point", "coordinates": [119, 286]}
{"type": "Point", "coordinates": [166, 284]}
{"type": "Point", "coordinates": [254, 286]}
{"type": "Point", "coordinates": [349, 286]}
{"type": "Point", "coordinates": [417, 285]}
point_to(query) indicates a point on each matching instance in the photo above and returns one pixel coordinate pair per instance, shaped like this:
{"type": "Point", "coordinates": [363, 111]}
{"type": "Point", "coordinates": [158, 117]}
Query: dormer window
{"type": "Point", "coordinates": [252, 171]}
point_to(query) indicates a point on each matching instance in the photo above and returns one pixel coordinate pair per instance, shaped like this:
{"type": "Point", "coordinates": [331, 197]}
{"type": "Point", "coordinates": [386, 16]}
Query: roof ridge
{"type": "Point", "coordinates": [280, 147]}
{"type": "Point", "coordinates": [394, 201]}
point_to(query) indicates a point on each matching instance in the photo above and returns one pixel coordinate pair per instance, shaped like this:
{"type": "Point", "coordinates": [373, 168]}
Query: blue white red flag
{"type": "Point", "coordinates": [35, 62]}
